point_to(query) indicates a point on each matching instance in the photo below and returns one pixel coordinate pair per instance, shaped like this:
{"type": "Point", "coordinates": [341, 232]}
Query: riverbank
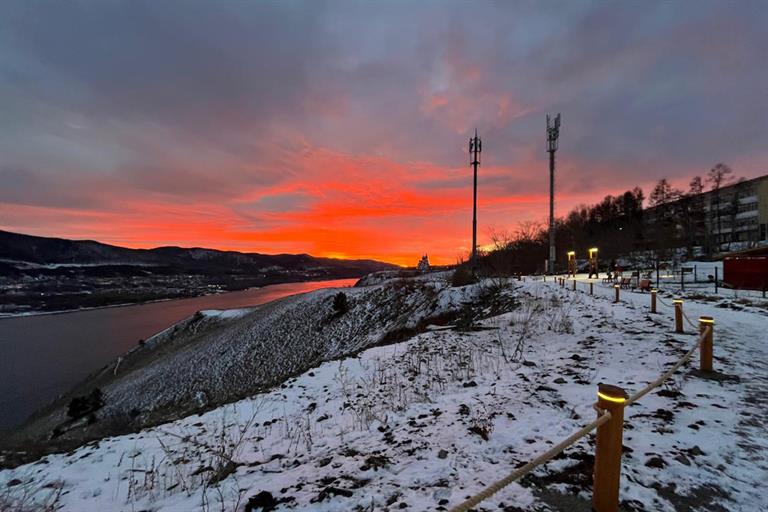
{"type": "Point", "coordinates": [43, 356]}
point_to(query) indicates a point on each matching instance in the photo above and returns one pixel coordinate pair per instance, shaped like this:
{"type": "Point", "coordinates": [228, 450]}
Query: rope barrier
{"type": "Point", "coordinates": [605, 416]}
{"type": "Point", "coordinates": [521, 471]}
{"type": "Point", "coordinates": [693, 325]}
{"type": "Point", "coordinates": [650, 387]}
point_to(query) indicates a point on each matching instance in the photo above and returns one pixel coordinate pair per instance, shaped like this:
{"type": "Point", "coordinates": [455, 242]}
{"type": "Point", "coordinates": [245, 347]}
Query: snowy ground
{"type": "Point", "coordinates": [422, 424]}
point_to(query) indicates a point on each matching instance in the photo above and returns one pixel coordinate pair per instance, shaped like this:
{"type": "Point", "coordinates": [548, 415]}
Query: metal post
{"type": "Point", "coordinates": [705, 352]}
{"type": "Point", "coordinates": [551, 210]}
{"type": "Point", "coordinates": [653, 301]}
{"type": "Point", "coordinates": [475, 148]}
{"type": "Point", "coordinates": [682, 278]}
{"type": "Point", "coordinates": [553, 133]}
{"type": "Point", "coordinates": [607, 476]}
{"type": "Point", "coordinates": [590, 288]}
{"type": "Point", "coordinates": [695, 274]}
{"type": "Point", "coordinates": [574, 284]}
{"type": "Point", "coordinates": [616, 288]}
{"type": "Point", "coordinates": [678, 315]}
{"type": "Point", "coordinates": [657, 273]}
{"type": "Point", "coordinates": [715, 279]}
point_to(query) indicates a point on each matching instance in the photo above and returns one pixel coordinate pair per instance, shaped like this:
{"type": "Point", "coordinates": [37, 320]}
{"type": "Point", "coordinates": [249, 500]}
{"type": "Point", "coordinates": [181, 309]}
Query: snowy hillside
{"type": "Point", "coordinates": [214, 358]}
{"type": "Point", "coordinates": [421, 424]}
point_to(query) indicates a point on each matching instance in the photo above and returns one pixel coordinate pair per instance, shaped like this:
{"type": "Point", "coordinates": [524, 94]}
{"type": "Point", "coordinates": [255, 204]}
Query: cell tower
{"type": "Point", "coordinates": [553, 134]}
{"type": "Point", "coordinates": [475, 148]}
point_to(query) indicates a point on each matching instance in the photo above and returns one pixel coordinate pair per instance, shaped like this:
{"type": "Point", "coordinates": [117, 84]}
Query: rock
{"type": "Point", "coordinates": [442, 454]}
{"type": "Point", "coordinates": [262, 501]}
{"type": "Point", "coordinates": [655, 462]}
{"type": "Point", "coordinates": [559, 380]}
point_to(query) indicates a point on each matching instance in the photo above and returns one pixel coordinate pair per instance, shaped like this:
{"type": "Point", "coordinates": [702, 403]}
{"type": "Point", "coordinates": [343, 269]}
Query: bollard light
{"type": "Point", "coordinates": [705, 352]}
{"type": "Point", "coordinates": [653, 300]}
{"type": "Point", "coordinates": [678, 303]}
{"type": "Point", "coordinates": [607, 473]}
{"type": "Point", "coordinates": [616, 288]}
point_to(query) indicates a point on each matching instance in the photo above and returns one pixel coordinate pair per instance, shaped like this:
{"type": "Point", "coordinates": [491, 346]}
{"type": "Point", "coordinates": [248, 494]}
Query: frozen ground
{"type": "Point", "coordinates": [422, 424]}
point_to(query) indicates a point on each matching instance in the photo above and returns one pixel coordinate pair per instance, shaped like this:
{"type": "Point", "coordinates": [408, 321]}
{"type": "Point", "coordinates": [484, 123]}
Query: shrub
{"type": "Point", "coordinates": [83, 405]}
{"type": "Point", "coordinates": [462, 276]}
{"type": "Point", "coordinates": [340, 304]}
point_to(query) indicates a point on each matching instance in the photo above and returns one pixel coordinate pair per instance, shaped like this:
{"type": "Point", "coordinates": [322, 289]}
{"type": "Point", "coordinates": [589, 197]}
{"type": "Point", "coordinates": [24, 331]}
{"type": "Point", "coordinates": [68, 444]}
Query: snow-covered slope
{"type": "Point", "coordinates": [421, 424]}
{"type": "Point", "coordinates": [214, 358]}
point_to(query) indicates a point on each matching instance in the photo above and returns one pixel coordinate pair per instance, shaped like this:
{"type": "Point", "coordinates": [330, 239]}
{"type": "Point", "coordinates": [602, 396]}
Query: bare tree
{"type": "Point", "coordinates": [663, 193]}
{"type": "Point", "coordinates": [718, 176]}
{"type": "Point", "coordinates": [529, 231]}
{"type": "Point", "coordinates": [696, 186]}
{"type": "Point", "coordinates": [500, 238]}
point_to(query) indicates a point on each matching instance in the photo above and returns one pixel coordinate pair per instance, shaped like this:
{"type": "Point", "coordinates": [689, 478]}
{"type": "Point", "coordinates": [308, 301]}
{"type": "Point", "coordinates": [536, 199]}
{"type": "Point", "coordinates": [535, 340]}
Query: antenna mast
{"type": "Point", "coordinates": [553, 134]}
{"type": "Point", "coordinates": [475, 148]}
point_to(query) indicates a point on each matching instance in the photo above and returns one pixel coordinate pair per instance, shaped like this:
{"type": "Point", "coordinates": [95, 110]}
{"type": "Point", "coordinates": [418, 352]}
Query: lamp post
{"type": "Point", "coordinates": [593, 262]}
{"type": "Point", "coordinates": [572, 263]}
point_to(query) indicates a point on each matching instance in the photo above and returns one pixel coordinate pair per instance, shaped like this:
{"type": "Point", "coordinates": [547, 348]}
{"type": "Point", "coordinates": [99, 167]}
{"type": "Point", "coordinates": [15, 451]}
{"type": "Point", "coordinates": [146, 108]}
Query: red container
{"type": "Point", "coordinates": [746, 272]}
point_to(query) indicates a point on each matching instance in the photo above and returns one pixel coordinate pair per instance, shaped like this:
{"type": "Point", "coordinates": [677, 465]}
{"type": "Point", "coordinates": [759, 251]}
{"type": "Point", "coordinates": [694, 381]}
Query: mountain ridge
{"type": "Point", "coordinates": [25, 248]}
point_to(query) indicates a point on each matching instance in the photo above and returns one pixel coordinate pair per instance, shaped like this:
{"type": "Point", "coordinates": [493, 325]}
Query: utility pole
{"type": "Point", "coordinates": [553, 133]}
{"type": "Point", "coordinates": [475, 148]}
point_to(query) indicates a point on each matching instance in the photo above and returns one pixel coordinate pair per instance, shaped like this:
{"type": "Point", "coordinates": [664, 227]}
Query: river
{"type": "Point", "coordinates": [42, 356]}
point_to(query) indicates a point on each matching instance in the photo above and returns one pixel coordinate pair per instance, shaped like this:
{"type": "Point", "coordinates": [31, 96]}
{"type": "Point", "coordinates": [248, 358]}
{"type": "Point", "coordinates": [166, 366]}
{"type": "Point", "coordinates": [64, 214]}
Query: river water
{"type": "Point", "coordinates": [42, 356]}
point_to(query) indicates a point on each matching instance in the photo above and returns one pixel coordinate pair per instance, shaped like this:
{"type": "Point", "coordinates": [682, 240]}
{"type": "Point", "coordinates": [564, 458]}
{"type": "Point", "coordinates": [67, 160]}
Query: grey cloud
{"type": "Point", "coordinates": [645, 88]}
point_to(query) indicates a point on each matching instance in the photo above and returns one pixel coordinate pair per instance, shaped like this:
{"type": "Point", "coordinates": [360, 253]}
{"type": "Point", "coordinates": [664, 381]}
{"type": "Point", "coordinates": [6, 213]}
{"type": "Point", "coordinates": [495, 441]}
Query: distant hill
{"type": "Point", "coordinates": [46, 251]}
{"type": "Point", "coordinates": [53, 274]}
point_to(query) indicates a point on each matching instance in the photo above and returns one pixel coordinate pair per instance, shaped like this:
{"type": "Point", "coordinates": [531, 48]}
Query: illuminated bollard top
{"type": "Point", "coordinates": [707, 320]}
{"type": "Point", "coordinates": [677, 301]}
{"type": "Point", "coordinates": [613, 394]}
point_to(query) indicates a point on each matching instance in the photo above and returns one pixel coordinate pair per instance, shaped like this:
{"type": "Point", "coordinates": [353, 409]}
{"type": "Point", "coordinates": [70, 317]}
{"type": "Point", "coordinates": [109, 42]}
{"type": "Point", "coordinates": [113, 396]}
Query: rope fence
{"type": "Point", "coordinates": [610, 407]}
{"type": "Point", "coordinates": [528, 467]}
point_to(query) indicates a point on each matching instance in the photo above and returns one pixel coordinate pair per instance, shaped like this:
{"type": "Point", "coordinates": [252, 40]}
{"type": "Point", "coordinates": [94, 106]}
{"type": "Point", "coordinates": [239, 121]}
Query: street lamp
{"type": "Point", "coordinates": [572, 263]}
{"type": "Point", "coordinates": [593, 262]}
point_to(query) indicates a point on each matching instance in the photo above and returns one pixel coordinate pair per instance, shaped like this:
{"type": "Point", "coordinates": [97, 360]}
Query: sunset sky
{"type": "Point", "coordinates": [340, 128]}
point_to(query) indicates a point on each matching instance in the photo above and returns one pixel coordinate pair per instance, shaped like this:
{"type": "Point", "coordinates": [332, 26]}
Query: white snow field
{"type": "Point", "coordinates": [425, 423]}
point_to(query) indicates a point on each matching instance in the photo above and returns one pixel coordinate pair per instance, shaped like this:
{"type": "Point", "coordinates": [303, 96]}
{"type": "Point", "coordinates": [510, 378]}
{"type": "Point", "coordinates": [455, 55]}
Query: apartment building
{"type": "Point", "coordinates": [735, 215]}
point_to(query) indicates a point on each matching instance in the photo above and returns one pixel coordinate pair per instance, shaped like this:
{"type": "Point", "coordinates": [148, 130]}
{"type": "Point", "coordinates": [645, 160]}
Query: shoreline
{"type": "Point", "coordinates": [120, 305]}
{"type": "Point", "coordinates": [22, 314]}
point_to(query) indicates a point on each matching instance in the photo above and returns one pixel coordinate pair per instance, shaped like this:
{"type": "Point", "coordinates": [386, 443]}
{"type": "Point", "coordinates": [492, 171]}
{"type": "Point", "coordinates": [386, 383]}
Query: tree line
{"type": "Point", "coordinates": [621, 227]}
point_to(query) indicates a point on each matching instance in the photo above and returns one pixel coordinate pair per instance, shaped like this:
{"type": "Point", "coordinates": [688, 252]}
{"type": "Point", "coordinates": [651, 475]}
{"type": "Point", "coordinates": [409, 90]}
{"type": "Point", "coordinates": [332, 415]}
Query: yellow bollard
{"type": "Point", "coordinates": [607, 474]}
{"type": "Point", "coordinates": [653, 301]}
{"type": "Point", "coordinates": [678, 314]}
{"type": "Point", "coordinates": [616, 289]}
{"type": "Point", "coordinates": [590, 288]}
{"type": "Point", "coordinates": [705, 352]}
